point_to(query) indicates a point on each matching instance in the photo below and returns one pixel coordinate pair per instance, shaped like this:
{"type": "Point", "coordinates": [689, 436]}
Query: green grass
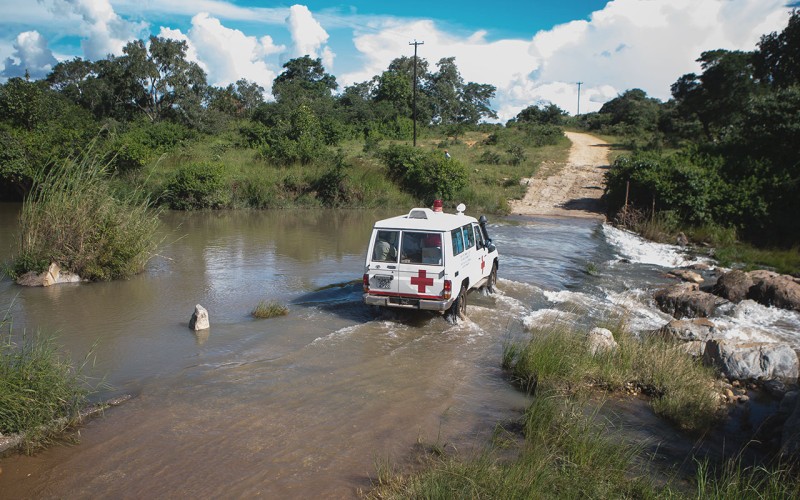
{"type": "Point", "coordinates": [74, 217]}
{"type": "Point", "coordinates": [556, 357]}
{"type": "Point", "coordinates": [565, 453]}
{"type": "Point", "coordinates": [734, 480]}
{"type": "Point", "coordinates": [41, 394]}
{"type": "Point", "coordinates": [266, 309]}
{"type": "Point", "coordinates": [254, 183]}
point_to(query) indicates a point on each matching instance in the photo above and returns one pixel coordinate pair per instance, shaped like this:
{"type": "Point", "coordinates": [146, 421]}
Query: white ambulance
{"type": "Point", "coordinates": [429, 260]}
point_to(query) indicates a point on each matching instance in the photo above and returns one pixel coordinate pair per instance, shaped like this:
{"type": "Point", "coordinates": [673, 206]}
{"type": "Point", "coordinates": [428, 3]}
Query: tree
{"type": "Point", "coordinates": [634, 109]}
{"type": "Point", "coordinates": [237, 99]}
{"type": "Point", "coordinates": [455, 103]}
{"type": "Point", "coordinates": [777, 60]}
{"type": "Point", "coordinates": [303, 79]}
{"type": "Point", "coordinates": [718, 95]}
{"type": "Point", "coordinates": [444, 89]}
{"type": "Point", "coordinates": [160, 81]}
{"type": "Point", "coordinates": [541, 114]}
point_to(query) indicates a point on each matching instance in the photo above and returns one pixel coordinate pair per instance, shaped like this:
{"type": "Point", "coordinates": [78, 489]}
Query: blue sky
{"type": "Point", "coordinates": [532, 51]}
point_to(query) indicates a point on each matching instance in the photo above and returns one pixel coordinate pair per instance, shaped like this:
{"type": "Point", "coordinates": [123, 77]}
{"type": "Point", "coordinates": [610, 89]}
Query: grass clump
{"type": "Point", "coordinates": [565, 453]}
{"type": "Point", "coordinates": [271, 309]}
{"type": "Point", "coordinates": [41, 394]}
{"type": "Point", "coordinates": [734, 480]}
{"type": "Point", "coordinates": [74, 218]}
{"type": "Point", "coordinates": [556, 357]}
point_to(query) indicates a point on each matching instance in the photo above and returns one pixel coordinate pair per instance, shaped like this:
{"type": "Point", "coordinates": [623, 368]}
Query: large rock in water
{"type": "Point", "coordinates": [688, 330]}
{"type": "Point", "coordinates": [199, 319]}
{"type": "Point", "coordinates": [759, 361]}
{"type": "Point", "coordinates": [685, 300]}
{"type": "Point", "coordinates": [765, 287]}
{"type": "Point", "coordinates": [779, 291]}
{"type": "Point", "coordinates": [733, 285]}
{"type": "Point", "coordinates": [53, 276]}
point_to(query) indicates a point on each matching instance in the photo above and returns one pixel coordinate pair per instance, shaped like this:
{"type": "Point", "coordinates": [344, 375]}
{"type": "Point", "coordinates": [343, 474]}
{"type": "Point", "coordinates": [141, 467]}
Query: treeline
{"type": "Point", "coordinates": [724, 151]}
{"type": "Point", "coordinates": [132, 109]}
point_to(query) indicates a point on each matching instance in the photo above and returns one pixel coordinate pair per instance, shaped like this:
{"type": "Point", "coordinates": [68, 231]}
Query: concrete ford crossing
{"type": "Point", "coordinates": [429, 260]}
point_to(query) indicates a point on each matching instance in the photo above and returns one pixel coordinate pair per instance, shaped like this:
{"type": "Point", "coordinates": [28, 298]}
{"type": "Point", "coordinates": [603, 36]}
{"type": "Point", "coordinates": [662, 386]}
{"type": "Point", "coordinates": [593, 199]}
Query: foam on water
{"type": "Point", "coordinates": [547, 317]}
{"type": "Point", "coordinates": [751, 321]}
{"type": "Point", "coordinates": [639, 250]}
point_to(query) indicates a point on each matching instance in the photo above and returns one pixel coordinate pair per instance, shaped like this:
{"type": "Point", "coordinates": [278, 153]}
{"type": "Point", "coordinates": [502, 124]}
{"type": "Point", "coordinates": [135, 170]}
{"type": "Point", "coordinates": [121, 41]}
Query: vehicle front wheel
{"type": "Point", "coordinates": [490, 285]}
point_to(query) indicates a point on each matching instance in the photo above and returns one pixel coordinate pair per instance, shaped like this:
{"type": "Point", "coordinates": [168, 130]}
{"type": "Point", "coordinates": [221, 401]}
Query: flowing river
{"type": "Point", "coordinates": [307, 404]}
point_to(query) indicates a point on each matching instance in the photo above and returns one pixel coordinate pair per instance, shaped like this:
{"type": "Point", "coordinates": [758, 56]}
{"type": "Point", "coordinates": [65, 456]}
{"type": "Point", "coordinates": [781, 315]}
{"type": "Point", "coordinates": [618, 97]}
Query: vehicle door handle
{"type": "Point", "coordinates": [391, 267]}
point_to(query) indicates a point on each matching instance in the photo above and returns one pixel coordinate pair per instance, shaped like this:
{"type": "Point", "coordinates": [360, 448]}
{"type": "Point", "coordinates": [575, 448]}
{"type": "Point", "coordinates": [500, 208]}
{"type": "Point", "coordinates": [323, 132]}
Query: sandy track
{"type": "Point", "coordinates": [570, 190]}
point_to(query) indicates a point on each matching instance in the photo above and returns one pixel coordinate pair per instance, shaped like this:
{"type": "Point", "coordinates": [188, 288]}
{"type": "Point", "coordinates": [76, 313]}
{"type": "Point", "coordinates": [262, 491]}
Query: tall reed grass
{"type": "Point", "coordinates": [73, 217]}
{"type": "Point", "coordinates": [41, 393]}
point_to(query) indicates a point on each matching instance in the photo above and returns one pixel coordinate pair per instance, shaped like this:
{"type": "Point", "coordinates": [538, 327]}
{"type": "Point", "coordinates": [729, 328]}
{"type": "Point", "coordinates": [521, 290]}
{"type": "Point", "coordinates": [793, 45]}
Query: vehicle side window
{"type": "Point", "coordinates": [479, 236]}
{"type": "Point", "coordinates": [385, 249]}
{"type": "Point", "coordinates": [469, 236]}
{"type": "Point", "coordinates": [458, 241]}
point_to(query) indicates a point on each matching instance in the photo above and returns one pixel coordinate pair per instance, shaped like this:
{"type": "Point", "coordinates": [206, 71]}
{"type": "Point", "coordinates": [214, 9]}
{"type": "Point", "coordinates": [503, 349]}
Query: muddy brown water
{"type": "Point", "coordinates": [303, 405]}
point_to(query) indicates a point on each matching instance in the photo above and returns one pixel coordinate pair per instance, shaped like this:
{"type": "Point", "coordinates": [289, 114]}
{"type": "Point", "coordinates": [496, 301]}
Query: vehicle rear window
{"type": "Point", "coordinates": [385, 249]}
{"type": "Point", "coordinates": [421, 248]}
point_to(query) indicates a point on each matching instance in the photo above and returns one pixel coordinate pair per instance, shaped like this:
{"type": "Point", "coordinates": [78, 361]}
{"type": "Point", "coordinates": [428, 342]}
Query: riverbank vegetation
{"type": "Point", "coordinates": [74, 218]}
{"type": "Point", "coordinates": [564, 446]}
{"type": "Point", "coordinates": [41, 393]}
{"type": "Point", "coordinates": [719, 160]}
{"type": "Point", "coordinates": [678, 386]}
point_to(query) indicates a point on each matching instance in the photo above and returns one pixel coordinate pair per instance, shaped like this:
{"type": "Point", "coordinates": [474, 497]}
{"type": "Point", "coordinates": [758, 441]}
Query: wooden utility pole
{"type": "Point", "coordinates": [415, 43]}
{"type": "Point", "coordinates": [579, 99]}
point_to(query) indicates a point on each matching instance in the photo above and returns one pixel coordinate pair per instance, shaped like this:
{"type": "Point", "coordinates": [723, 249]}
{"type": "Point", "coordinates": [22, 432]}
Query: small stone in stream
{"type": "Point", "coordinates": [199, 319]}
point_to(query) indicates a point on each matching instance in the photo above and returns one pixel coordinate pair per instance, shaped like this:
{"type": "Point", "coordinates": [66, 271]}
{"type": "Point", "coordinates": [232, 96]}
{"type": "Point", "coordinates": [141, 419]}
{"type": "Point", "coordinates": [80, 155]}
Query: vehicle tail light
{"type": "Point", "coordinates": [448, 289]}
{"type": "Point", "coordinates": [366, 282]}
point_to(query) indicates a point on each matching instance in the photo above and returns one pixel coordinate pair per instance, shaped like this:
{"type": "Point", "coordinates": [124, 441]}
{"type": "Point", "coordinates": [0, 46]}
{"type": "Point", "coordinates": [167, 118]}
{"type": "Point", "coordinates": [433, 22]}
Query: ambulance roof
{"type": "Point", "coordinates": [425, 219]}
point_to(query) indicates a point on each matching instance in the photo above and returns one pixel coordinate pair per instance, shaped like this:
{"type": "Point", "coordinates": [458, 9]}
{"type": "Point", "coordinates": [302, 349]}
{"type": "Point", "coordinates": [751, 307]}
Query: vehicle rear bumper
{"type": "Point", "coordinates": [407, 302]}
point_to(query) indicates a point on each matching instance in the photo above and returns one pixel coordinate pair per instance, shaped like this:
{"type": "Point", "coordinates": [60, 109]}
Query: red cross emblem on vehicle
{"type": "Point", "coordinates": [483, 264]}
{"type": "Point", "coordinates": [422, 281]}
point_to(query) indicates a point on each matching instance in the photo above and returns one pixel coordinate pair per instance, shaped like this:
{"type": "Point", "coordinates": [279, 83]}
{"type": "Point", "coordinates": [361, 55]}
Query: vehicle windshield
{"type": "Point", "coordinates": [421, 248]}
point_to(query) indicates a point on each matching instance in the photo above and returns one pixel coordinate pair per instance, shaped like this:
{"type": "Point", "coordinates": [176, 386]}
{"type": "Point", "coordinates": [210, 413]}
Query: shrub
{"type": "Point", "coordinates": [72, 217]}
{"type": "Point", "coordinates": [196, 186]}
{"type": "Point", "coordinates": [332, 186]}
{"type": "Point", "coordinates": [491, 158]}
{"type": "Point", "coordinates": [425, 174]}
{"type": "Point", "coordinates": [687, 183]}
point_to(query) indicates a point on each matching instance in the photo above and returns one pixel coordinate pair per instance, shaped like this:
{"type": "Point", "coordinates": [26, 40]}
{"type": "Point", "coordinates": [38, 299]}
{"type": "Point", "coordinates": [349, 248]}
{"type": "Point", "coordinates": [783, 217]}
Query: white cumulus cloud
{"type": "Point", "coordinates": [308, 36]}
{"type": "Point", "coordinates": [226, 54]}
{"type": "Point", "coordinates": [102, 30]}
{"type": "Point", "coordinates": [645, 44]}
{"type": "Point", "coordinates": [31, 54]}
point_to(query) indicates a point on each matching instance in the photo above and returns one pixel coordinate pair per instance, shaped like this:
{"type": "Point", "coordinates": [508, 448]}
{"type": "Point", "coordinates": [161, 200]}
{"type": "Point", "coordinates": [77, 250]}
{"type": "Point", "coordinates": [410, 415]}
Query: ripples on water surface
{"type": "Point", "coordinates": [305, 404]}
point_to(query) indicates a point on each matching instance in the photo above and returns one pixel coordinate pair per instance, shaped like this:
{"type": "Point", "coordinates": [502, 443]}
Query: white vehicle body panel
{"type": "Point", "coordinates": [422, 259]}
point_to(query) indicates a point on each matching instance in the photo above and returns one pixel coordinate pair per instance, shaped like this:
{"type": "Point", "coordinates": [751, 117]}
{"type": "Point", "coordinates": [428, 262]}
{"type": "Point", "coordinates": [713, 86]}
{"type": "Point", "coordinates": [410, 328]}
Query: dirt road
{"type": "Point", "coordinates": [572, 189]}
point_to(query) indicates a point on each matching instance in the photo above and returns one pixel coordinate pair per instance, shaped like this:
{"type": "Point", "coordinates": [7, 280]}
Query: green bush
{"type": "Point", "coordinates": [196, 186]}
{"type": "Point", "coordinates": [332, 186]}
{"type": "Point", "coordinates": [73, 218]}
{"type": "Point", "coordinates": [37, 387]}
{"type": "Point", "coordinates": [425, 174]}
{"type": "Point", "coordinates": [687, 183]}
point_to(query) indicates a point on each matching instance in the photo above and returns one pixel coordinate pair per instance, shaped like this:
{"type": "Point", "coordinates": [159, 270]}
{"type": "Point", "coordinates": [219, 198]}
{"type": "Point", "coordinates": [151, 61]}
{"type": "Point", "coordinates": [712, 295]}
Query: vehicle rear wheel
{"type": "Point", "coordinates": [458, 310]}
